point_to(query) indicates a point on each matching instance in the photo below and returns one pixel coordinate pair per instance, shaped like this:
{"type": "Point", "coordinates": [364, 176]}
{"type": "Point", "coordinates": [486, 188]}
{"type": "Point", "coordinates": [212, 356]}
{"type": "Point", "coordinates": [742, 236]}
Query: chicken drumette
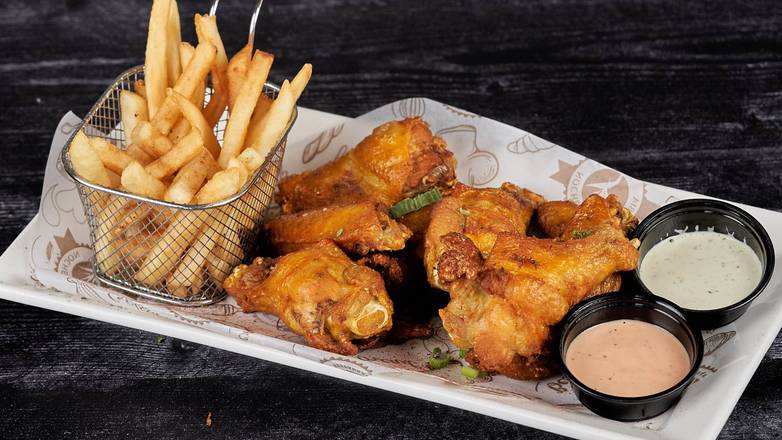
{"type": "Point", "coordinates": [319, 293]}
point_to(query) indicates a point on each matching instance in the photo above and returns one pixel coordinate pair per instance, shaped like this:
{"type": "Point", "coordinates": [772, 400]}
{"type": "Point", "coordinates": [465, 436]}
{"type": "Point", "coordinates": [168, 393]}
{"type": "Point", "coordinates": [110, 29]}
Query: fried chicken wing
{"type": "Point", "coordinates": [478, 215]}
{"type": "Point", "coordinates": [502, 309]}
{"type": "Point", "coordinates": [399, 159]}
{"type": "Point", "coordinates": [319, 293]}
{"type": "Point", "coordinates": [356, 228]}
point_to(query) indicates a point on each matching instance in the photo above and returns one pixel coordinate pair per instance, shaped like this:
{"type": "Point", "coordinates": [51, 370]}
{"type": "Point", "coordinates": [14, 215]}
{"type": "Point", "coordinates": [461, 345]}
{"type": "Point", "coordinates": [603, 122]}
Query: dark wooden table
{"type": "Point", "coordinates": [686, 94]}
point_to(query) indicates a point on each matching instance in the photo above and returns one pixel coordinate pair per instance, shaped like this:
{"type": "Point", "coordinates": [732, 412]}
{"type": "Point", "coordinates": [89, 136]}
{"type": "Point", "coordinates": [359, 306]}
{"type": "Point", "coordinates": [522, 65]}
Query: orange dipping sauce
{"type": "Point", "coordinates": [627, 358]}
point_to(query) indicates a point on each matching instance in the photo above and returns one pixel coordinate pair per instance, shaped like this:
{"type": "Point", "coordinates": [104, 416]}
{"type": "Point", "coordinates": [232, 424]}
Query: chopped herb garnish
{"type": "Point", "coordinates": [582, 234]}
{"type": "Point", "coordinates": [463, 352]}
{"type": "Point", "coordinates": [340, 231]}
{"type": "Point", "coordinates": [472, 373]}
{"type": "Point", "coordinates": [409, 205]}
{"type": "Point", "coordinates": [439, 359]}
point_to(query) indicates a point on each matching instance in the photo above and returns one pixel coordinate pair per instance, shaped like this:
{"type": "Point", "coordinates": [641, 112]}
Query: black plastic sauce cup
{"type": "Point", "coordinates": [721, 217]}
{"type": "Point", "coordinates": [645, 308]}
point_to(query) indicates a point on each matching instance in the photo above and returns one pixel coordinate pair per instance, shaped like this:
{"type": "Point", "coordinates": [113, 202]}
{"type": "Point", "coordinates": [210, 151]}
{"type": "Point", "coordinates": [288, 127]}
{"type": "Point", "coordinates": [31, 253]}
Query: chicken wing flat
{"type": "Point", "coordinates": [478, 215]}
{"type": "Point", "coordinates": [357, 228]}
{"type": "Point", "coordinates": [563, 219]}
{"type": "Point", "coordinates": [399, 159]}
{"type": "Point", "coordinates": [502, 311]}
{"type": "Point", "coordinates": [319, 293]}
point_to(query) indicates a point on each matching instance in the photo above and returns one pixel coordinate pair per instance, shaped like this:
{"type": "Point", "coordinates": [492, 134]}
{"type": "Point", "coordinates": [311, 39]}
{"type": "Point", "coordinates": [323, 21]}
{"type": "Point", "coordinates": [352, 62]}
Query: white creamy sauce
{"type": "Point", "coordinates": [701, 270]}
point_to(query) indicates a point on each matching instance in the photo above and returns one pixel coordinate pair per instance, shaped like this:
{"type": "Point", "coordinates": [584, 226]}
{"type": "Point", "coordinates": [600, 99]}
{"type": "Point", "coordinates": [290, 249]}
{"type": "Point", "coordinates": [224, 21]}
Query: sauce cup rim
{"type": "Point", "coordinates": [743, 217]}
{"type": "Point", "coordinates": [662, 305]}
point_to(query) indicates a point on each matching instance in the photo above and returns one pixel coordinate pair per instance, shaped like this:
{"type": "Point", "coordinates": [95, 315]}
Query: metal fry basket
{"type": "Point", "coordinates": [169, 252]}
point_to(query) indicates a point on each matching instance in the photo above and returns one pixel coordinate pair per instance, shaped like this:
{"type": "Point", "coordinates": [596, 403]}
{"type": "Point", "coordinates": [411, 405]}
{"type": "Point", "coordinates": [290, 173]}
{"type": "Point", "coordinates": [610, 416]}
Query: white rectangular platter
{"type": "Point", "coordinates": [48, 266]}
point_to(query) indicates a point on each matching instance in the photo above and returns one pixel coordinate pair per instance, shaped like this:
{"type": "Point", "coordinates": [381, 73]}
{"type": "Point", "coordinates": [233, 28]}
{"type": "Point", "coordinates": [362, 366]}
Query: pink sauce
{"type": "Point", "coordinates": [627, 358]}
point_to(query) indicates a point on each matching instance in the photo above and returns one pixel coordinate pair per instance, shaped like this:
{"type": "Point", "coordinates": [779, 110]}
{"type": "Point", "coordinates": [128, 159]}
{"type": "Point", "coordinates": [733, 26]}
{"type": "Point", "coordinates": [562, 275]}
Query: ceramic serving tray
{"type": "Point", "coordinates": [48, 266]}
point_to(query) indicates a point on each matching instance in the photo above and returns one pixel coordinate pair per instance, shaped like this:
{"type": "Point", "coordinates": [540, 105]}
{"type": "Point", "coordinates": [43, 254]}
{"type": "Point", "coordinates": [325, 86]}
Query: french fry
{"type": "Point", "coordinates": [106, 253]}
{"type": "Point", "coordinates": [138, 154]}
{"type": "Point", "coordinates": [193, 75]}
{"type": "Point", "coordinates": [273, 127]}
{"type": "Point", "coordinates": [190, 178]}
{"type": "Point", "coordinates": [196, 119]}
{"type": "Point", "coordinates": [183, 152]}
{"type": "Point", "coordinates": [216, 107]}
{"type": "Point", "coordinates": [114, 179]}
{"type": "Point", "coordinates": [155, 66]}
{"type": "Point", "coordinates": [180, 130]}
{"type": "Point", "coordinates": [236, 129]}
{"type": "Point", "coordinates": [161, 145]}
{"type": "Point", "coordinates": [136, 180]}
{"type": "Point", "coordinates": [222, 185]}
{"type": "Point", "coordinates": [143, 136]}
{"type": "Point", "coordinates": [140, 87]}
{"type": "Point", "coordinates": [300, 81]}
{"type": "Point", "coordinates": [164, 256]}
{"type": "Point", "coordinates": [188, 277]}
{"type": "Point", "coordinates": [224, 256]}
{"type": "Point", "coordinates": [264, 102]}
{"type": "Point", "coordinates": [132, 108]}
{"type": "Point", "coordinates": [186, 51]}
{"type": "Point", "coordinates": [237, 70]}
{"type": "Point", "coordinates": [112, 157]}
{"type": "Point", "coordinates": [206, 29]}
{"type": "Point", "coordinates": [87, 163]}
{"type": "Point", "coordinates": [244, 172]}
{"type": "Point", "coordinates": [173, 38]}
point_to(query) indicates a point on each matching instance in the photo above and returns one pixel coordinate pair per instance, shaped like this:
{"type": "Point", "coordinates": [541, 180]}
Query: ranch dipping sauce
{"type": "Point", "coordinates": [627, 358]}
{"type": "Point", "coordinates": [701, 270]}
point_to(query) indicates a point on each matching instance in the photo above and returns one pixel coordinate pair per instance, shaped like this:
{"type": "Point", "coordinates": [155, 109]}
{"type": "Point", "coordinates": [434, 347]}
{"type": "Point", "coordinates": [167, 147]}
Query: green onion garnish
{"type": "Point", "coordinates": [582, 234]}
{"type": "Point", "coordinates": [471, 373]}
{"type": "Point", "coordinates": [439, 359]}
{"type": "Point", "coordinates": [463, 352]}
{"type": "Point", "coordinates": [409, 205]}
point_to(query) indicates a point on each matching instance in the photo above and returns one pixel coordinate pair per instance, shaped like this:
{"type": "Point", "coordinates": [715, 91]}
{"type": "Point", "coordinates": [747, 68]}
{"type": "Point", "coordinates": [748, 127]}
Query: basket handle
{"type": "Point", "coordinates": [253, 20]}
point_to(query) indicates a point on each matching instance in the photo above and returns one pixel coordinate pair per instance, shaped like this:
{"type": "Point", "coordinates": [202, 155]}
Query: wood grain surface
{"type": "Point", "coordinates": [686, 94]}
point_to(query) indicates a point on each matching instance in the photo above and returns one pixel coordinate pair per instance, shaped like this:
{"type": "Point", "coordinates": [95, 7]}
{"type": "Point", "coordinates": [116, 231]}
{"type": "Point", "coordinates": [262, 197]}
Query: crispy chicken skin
{"type": "Point", "coordinates": [558, 219]}
{"type": "Point", "coordinates": [357, 228]}
{"type": "Point", "coordinates": [399, 159]}
{"type": "Point", "coordinates": [319, 293]}
{"type": "Point", "coordinates": [554, 216]}
{"type": "Point", "coordinates": [477, 215]}
{"type": "Point", "coordinates": [503, 307]}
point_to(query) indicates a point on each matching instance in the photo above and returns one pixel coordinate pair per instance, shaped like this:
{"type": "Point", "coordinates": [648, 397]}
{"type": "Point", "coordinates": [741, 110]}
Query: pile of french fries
{"type": "Point", "coordinates": [171, 151]}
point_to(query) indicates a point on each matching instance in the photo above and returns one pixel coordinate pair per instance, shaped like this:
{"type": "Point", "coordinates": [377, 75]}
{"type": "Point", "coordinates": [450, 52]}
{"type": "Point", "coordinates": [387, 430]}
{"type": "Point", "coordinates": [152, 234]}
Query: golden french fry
{"type": "Point", "coordinates": [237, 70]}
{"type": "Point", "coordinates": [144, 137]}
{"type": "Point", "coordinates": [206, 30]}
{"type": "Point", "coordinates": [173, 38]}
{"type": "Point", "coordinates": [196, 119]}
{"type": "Point", "coordinates": [244, 172]}
{"type": "Point", "coordinates": [264, 102]}
{"type": "Point", "coordinates": [161, 145]}
{"type": "Point", "coordinates": [112, 157]}
{"type": "Point", "coordinates": [165, 254]}
{"type": "Point", "coordinates": [299, 82]}
{"type": "Point", "coordinates": [132, 108]}
{"type": "Point", "coordinates": [180, 130]}
{"type": "Point", "coordinates": [136, 180]}
{"type": "Point", "coordinates": [222, 185]}
{"type": "Point", "coordinates": [155, 66]}
{"type": "Point", "coordinates": [186, 51]}
{"type": "Point", "coordinates": [225, 255]}
{"type": "Point", "coordinates": [193, 75]}
{"type": "Point", "coordinates": [140, 87]}
{"type": "Point", "coordinates": [188, 277]}
{"type": "Point", "coordinates": [190, 178]}
{"type": "Point", "coordinates": [272, 129]}
{"type": "Point", "coordinates": [183, 152]}
{"type": "Point", "coordinates": [87, 163]}
{"type": "Point", "coordinates": [219, 99]}
{"type": "Point", "coordinates": [138, 154]}
{"type": "Point", "coordinates": [114, 179]}
{"type": "Point", "coordinates": [236, 129]}
{"type": "Point", "coordinates": [106, 253]}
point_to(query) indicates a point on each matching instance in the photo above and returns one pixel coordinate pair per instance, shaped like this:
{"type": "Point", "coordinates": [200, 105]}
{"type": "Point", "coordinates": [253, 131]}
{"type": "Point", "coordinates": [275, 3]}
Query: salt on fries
{"type": "Point", "coordinates": [171, 152]}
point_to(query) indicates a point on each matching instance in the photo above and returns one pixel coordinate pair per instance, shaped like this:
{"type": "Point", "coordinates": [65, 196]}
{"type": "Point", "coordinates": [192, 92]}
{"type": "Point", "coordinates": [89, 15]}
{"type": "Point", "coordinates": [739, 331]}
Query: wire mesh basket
{"type": "Point", "coordinates": [169, 252]}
